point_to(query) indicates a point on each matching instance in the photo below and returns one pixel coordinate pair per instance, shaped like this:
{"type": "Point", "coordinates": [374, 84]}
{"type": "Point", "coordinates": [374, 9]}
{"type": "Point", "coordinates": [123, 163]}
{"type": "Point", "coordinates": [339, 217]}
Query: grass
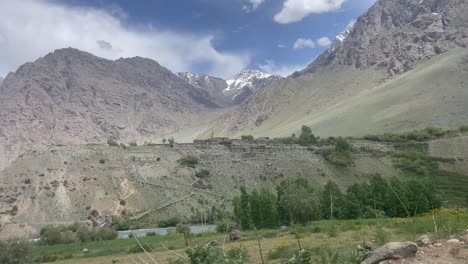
{"type": "Point", "coordinates": [276, 245]}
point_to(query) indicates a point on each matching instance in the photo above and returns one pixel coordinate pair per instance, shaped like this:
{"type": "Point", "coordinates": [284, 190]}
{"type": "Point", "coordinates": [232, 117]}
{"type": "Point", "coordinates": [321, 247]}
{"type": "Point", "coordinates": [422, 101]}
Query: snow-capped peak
{"type": "Point", "coordinates": [247, 78]}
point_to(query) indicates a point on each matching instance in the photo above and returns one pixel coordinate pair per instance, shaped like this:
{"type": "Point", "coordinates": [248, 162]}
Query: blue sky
{"type": "Point", "coordinates": [217, 37]}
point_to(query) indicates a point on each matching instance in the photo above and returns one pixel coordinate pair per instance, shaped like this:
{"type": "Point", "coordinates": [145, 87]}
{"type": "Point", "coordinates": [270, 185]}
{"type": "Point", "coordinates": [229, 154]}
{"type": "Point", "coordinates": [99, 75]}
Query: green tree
{"type": "Point", "coordinates": [332, 201]}
{"type": "Point", "coordinates": [184, 230]}
{"type": "Point", "coordinates": [255, 209]}
{"type": "Point", "coordinates": [378, 188]}
{"type": "Point", "coordinates": [246, 212]}
{"type": "Point", "coordinates": [352, 208]}
{"type": "Point", "coordinates": [306, 137]}
{"type": "Point", "coordinates": [300, 201]}
{"type": "Point", "coordinates": [268, 209]}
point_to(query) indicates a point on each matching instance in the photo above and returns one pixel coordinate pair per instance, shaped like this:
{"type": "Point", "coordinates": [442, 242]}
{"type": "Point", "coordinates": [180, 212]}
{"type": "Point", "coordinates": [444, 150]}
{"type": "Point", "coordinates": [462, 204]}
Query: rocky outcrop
{"type": "Point", "coordinates": [395, 35]}
{"type": "Point", "coordinates": [423, 241]}
{"type": "Point", "coordinates": [392, 250]}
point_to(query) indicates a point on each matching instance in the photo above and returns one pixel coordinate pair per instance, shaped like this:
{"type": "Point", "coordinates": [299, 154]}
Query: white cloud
{"type": "Point", "coordinates": [324, 42]}
{"type": "Point", "coordinates": [296, 10]}
{"type": "Point", "coordinates": [283, 70]}
{"type": "Point", "coordinates": [303, 43]}
{"type": "Point", "coordinates": [32, 28]}
{"type": "Point", "coordinates": [281, 46]}
{"type": "Point", "coordinates": [252, 5]}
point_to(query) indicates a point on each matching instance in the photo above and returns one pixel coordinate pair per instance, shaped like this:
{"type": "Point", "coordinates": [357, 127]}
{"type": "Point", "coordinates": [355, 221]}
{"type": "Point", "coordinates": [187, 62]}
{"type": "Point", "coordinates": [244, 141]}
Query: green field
{"type": "Point", "coordinates": [277, 245]}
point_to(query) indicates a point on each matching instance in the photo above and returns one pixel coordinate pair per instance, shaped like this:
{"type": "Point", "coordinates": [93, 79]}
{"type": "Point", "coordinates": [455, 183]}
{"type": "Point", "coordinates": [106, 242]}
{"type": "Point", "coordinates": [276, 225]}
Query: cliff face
{"type": "Point", "coordinates": [396, 35]}
{"type": "Point", "coordinates": [73, 97]}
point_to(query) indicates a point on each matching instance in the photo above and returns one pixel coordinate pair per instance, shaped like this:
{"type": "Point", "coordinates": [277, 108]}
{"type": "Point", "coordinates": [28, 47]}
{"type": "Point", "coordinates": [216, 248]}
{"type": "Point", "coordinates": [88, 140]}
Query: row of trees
{"type": "Point", "coordinates": [299, 202]}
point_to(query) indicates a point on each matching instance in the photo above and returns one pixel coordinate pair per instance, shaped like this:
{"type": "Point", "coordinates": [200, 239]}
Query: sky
{"type": "Point", "coordinates": [214, 37]}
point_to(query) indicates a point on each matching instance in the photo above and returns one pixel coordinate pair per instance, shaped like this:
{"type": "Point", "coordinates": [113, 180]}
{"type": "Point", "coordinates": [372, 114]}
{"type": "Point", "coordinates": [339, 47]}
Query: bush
{"type": "Point", "coordinates": [138, 249]}
{"type": "Point", "coordinates": [188, 161]}
{"type": "Point", "coordinates": [226, 224]}
{"type": "Point", "coordinates": [112, 143]}
{"type": "Point", "coordinates": [106, 233]}
{"type": "Point", "coordinates": [247, 137]}
{"type": "Point", "coordinates": [203, 174]}
{"type": "Point", "coordinates": [15, 253]}
{"type": "Point", "coordinates": [152, 234]}
{"type": "Point", "coordinates": [214, 255]}
{"type": "Point", "coordinates": [173, 221]}
{"type": "Point", "coordinates": [282, 252]}
{"type": "Point", "coordinates": [52, 235]}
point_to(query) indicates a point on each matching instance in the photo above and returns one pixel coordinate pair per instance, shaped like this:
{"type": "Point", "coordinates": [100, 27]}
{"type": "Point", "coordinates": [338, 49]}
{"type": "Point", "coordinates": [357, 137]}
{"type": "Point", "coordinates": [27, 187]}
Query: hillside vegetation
{"type": "Point", "coordinates": [157, 183]}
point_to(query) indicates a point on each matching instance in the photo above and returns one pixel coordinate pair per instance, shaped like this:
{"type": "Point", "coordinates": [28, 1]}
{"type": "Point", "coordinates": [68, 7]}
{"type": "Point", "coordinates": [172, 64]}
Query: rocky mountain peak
{"type": "Point", "coordinates": [73, 97]}
{"type": "Point", "coordinates": [233, 91]}
{"type": "Point", "coordinates": [251, 78]}
{"type": "Point", "coordinates": [395, 35]}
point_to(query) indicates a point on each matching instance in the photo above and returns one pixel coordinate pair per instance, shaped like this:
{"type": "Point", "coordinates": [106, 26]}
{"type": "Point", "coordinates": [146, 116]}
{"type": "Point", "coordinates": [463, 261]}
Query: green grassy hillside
{"type": "Point", "coordinates": [342, 100]}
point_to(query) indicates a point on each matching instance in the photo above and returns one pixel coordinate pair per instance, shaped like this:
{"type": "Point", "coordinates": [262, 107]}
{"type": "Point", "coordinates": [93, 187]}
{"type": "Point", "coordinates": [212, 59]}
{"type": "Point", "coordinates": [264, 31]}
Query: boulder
{"type": "Point", "coordinates": [392, 250]}
{"type": "Point", "coordinates": [214, 243]}
{"type": "Point", "coordinates": [453, 241]}
{"type": "Point", "coordinates": [235, 235]}
{"type": "Point", "coordinates": [464, 237]}
{"type": "Point", "coordinates": [423, 241]}
{"type": "Point", "coordinates": [85, 250]}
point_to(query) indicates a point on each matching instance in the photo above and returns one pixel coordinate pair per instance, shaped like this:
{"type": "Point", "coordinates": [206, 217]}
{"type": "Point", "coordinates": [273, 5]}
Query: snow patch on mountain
{"type": "Point", "coordinates": [340, 38]}
{"type": "Point", "coordinates": [235, 90]}
{"type": "Point", "coordinates": [247, 78]}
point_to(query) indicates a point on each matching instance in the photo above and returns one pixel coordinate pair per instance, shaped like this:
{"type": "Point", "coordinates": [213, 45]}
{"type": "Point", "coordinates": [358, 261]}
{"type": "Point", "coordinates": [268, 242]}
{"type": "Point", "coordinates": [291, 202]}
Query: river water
{"type": "Point", "coordinates": [195, 229]}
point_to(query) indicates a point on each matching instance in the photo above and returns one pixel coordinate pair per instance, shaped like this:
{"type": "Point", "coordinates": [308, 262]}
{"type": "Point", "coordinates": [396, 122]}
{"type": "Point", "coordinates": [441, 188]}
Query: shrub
{"type": "Point", "coordinates": [214, 255]}
{"type": "Point", "coordinates": [380, 235]}
{"type": "Point", "coordinates": [282, 252]}
{"type": "Point", "coordinates": [203, 174]}
{"type": "Point", "coordinates": [226, 224]}
{"type": "Point", "coordinates": [138, 249]}
{"type": "Point", "coordinates": [303, 257]}
{"type": "Point", "coordinates": [106, 233]}
{"type": "Point", "coordinates": [188, 161]}
{"type": "Point", "coordinates": [173, 221]}
{"type": "Point", "coordinates": [52, 235]}
{"type": "Point", "coordinates": [152, 234]}
{"type": "Point", "coordinates": [112, 143]}
{"type": "Point", "coordinates": [247, 137]}
{"type": "Point", "coordinates": [15, 253]}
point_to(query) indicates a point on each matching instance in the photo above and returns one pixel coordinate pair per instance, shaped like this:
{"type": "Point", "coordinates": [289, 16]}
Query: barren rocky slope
{"type": "Point", "coordinates": [400, 56]}
{"type": "Point", "coordinates": [73, 97]}
{"type": "Point", "coordinates": [64, 184]}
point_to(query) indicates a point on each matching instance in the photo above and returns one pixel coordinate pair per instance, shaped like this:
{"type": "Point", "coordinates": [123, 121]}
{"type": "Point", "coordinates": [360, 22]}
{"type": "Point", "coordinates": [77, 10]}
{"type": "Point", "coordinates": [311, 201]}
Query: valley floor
{"type": "Point", "coordinates": [322, 237]}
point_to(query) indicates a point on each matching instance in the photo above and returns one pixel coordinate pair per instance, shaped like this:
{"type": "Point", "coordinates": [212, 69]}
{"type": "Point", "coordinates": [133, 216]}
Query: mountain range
{"type": "Point", "coordinates": [234, 91]}
{"type": "Point", "coordinates": [402, 65]}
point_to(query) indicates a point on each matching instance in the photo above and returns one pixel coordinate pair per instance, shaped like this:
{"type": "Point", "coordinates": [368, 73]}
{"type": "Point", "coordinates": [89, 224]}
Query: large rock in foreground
{"type": "Point", "coordinates": [392, 250]}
